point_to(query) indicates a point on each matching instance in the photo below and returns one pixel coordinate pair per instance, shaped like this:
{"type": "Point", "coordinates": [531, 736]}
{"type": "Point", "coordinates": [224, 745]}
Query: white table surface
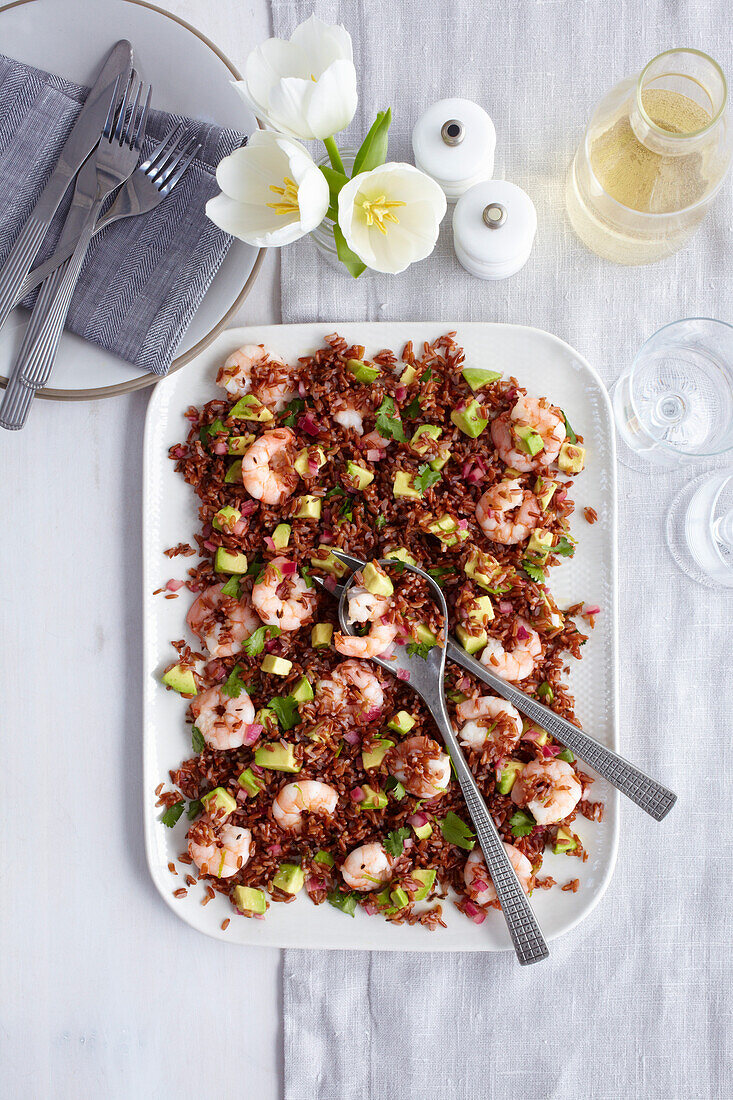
{"type": "Point", "coordinates": [103, 992]}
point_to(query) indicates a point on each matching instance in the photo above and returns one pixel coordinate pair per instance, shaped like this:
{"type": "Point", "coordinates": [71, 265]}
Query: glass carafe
{"type": "Point", "coordinates": [654, 156]}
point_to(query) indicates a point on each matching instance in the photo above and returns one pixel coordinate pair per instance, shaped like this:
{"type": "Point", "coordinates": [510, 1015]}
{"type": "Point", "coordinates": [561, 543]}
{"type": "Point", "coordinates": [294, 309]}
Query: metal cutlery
{"type": "Point", "coordinates": [82, 139]}
{"type": "Point", "coordinates": [647, 793]}
{"type": "Point", "coordinates": [426, 678]}
{"type": "Point", "coordinates": [114, 160]}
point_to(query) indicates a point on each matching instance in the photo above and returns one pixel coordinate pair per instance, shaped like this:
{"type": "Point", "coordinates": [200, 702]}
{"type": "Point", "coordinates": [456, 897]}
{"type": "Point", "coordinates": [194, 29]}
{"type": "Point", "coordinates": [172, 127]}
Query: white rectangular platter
{"type": "Point", "coordinates": [546, 367]}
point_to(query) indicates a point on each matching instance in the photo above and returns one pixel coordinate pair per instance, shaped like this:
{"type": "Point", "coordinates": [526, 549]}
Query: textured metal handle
{"type": "Point", "coordinates": [651, 796]}
{"type": "Point", "coordinates": [526, 934]}
{"type": "Point", "coordinates": [18, 262]}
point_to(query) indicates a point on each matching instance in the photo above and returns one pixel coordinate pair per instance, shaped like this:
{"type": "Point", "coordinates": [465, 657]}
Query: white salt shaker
{"type": "Point", "coordinates": [494, 226]}
{"type": "Point", "coordinates": [454, 141]}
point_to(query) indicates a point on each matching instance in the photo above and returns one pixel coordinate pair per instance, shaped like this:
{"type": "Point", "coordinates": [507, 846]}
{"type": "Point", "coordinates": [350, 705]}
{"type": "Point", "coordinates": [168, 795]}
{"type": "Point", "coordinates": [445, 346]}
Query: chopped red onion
{"type": "Point", "coordinates": [257, 769]}
{"type": "Point", "coordinates": [220, 448]}
{"type": "Point", "coordinates": [403, 674]}
{"type": "Point", "coordinates": [240, 527]}
{"type": "Point", "coordinates": [506, 607]}
{"type": "Point", "coordinates": [462, 524]}
{"type": "Point", "coordinates": [308, 424]}
{"type": "Point", "coordinates": [208, 545]}
{"type": "Point", "coordinates": [418, 820]}
{"type": "Point", "coordinates": [594, 609]}
{"type": "Point", "coordinates": [400, 393]}
{"type": "Point", "coordinates": [372, 714]}
{"type": "Point", "coordinates": [326, 536]}
{"type": "Point", "coordinates": [330, 584]}
{"type": "Point", "coordinates": [313, 466]}
{"type": "Point", "coordinates": [179, 451]}
{"type": "Point", "coordinates": [270, 645]}
{"type": "Point", "coordinates": [270, 543]}
{"type": "Point", "coordinates": [173, 586]}
{"type": "Point", "coordinates": [357, 795]}
{"type": "Point", "coordinates": [550, 751]}
{"type": "Point", "coordinates": [352, 737]}
{"type": "Point", "coordinates": [274, 849]}
{"type": "Point", "coordinates": [373, 455]}
{"type": "Point", "coordinates": [478, 916]}
{"type": "Point", "coordinates": [248, 507]}
{"type": "Point", "coordinates": [252, 733]}
{"type": "Point", "coordinates": [313, 883]}
{"type": "Point", "coordinates": [287, 568]}
{"type": "Point", "coordinates": [531, 735]}
{"type": "Point", "coordinates": [479, 885]}
{"type": "Point", "coordinates": [463, 683]}
{"type": "Point", "coordinates": [522, 634]}
{"type": "Point", "coordinates": [370, 908]}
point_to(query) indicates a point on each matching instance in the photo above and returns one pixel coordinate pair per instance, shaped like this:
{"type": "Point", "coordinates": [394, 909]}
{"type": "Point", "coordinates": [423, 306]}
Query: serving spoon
{"type": "Point", "coordinates": [425, 676]}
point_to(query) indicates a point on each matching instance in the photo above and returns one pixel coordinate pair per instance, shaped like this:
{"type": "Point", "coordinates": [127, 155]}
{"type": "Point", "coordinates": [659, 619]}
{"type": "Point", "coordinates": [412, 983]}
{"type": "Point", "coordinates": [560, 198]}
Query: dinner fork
{"type": "Point", "coordinates": [425, 676]}
{"type": "Point", "coordinates": [110, 165]}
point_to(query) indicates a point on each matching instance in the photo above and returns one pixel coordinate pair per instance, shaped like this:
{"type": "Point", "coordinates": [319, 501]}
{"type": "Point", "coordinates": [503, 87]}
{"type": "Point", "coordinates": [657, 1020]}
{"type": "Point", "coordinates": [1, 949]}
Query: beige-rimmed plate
{"type": "Point", "coordinates": [189, 76]}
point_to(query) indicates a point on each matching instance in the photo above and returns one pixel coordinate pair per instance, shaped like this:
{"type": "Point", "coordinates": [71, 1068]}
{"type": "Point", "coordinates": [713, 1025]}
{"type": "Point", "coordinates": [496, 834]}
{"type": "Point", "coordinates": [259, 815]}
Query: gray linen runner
{"type": "Point", "coordinates": [144, 277]}
{"type": "Point", "coordinates": [635, 1001]}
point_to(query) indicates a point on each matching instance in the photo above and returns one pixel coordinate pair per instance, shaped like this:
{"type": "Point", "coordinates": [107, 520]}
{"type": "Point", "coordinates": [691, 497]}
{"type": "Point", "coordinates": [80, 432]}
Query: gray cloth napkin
{"type": "Point", "coordinates": [636, 1001]}
{"type": "Point", "coordinates": [144, 277]}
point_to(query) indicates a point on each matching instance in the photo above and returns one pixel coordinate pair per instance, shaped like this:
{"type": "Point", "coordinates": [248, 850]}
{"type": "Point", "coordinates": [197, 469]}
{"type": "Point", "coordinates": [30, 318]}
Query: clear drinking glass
{"type": "Point", "coordinates": [700, 529]}
{"type": "Point", "coordinates": [674, 404]}
{"type": "Point", "coordinates": [654, 156]}
{"type": "Point", "coordinates": [322, 235]}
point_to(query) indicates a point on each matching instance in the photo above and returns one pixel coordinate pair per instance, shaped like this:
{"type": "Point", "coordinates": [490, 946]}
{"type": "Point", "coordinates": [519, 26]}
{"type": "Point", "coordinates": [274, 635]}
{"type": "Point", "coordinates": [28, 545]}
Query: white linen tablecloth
{"type": "Point", "coordinates": [636, 1001]}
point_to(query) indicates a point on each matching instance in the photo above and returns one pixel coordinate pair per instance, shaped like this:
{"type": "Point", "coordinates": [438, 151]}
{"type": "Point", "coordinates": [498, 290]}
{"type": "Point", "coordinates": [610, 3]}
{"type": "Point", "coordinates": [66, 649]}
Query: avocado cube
{"type": "Point", "coordinates": [401, 554]}
{"type": "Point", "coordinates": [544, 490]}
{"type": "Point", "coordinates": [233, 476]}
{"type": "Point", "coordinates": [478, 377]}
{"type": "Point", "coordinates": [319, 732]}
{"type": "Point", "coordinates": [403, 486]}
{"type": "Point", "coordinates": [571, 459]}
{"type": "Point", "coordinates": [323, 857]}
{"type": "Point", "coordinates": [419, 438]}
{"type": "Point", "coordinates": [400, 897]}
{"type": "Point", "coordinates": [472, 643]}
{"type": "Point", "coordinates": [376, 580]}
{"type": "Point", "coordinates": [281, 536]}
{"type": "Point", "coordinates": [401, 722]}
{"type": "Point", "coordinates": [447, 530]}
{"type": "Point", "coordinates": [361, 371]}
{"type": "Point", "coordinates": [506, 777]}
{"type": "Point", "coordinates": [227, 561]}
{"type": "Point", "coordinates": [278, 666]}
{"type": "Point", "coordinates": [527, 439]}
{"type": "Point", "coordinates": [329, 563]}
{"type": "Point", "coordinates": [309, 507]}
{"type": "Point", "coordinates": [470, 419]}
{"type": "Point", "coordinates": [238, 444]}
{"type": "Point", "coordinates": [289, 878]}
{"type": "Point", "coordinates": [425, 635]}
{"type": "Point", "coordinates": [481, 568]}
{"type": "Point", "coordinates": [427, 877]}
{"type": "Point", "coordinates": [180, 680]}
{"type": "Point", "coordinates": [248, 781]}
{"type": "Point", "coordinates": [361, 476]}
{"type": "Point", "coordinates": [219, 803]}
{"type": "Point", "coordinates": [374, 757]}
{"type": "Point", "coordinates": [422, 832]}
{"type": "Point", "coordinates": [266, 718]}
{"type": "Point", "coordinates": [321, 635]}
{"type": "Point", "coordinates": [565, 841]}
{"type": "Point", "coordinates": [408, 375]}
{"type": "Point", "coordinates": [374, 798]}
{"type": "Point", "coordinates": [302, 692]}
{"type": "Point", "coordinates": [225, 519]}
{"type": "Point", "coordinates": [440, 460]}
{"type": "Point", "coordinates": [249, 899]}
{"type": "Point", "coordinates": [305, 459]}
{"type": "Point", "coordinates": [540, 543]}
{"type": "Point", "coordinates": [250, 407]}
{"type": "Point", "coordinates": [483, 611]}
{"type": "Point", "coordinates": [277, 758]}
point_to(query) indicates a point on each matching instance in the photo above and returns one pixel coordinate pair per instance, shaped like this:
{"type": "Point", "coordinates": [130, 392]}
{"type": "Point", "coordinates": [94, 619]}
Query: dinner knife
{"type": "Point", "coordinates": [77, 147]}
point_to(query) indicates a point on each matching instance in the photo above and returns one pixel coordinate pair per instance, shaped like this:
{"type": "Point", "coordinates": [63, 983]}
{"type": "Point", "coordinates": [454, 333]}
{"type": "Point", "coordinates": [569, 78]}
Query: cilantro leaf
{"type": "Point", "coordinates": [286, 709]}
{"type": "Point", "coordinates": [292, 408]}
{"type": "Point", "coordinates": [170, 816]}
{"type": "Point", "coordinates": [457, 832]}
{"type": "Point", "coordinates": [533, 570]}
{"type": "Point", "coordinates": [394, 842]}
{"type": "Point", "coordinates": [194, 809]}
{"type": "Point", "coordinates": [426, 375]}
{"type": "Point", "coordinates": [419, 649]}
{"type": "Point", "coordinates": [395, 787]}
{"type": "Point", "coordinates": [425, 478]}
{"type": "Point", "coordinates": [388, 422]}
{"type": "Point", "coordinates": [337, 491]}
{"type": "Point", "coordinates": [380, 522]}
{"type": "Point", "coordinates": [522, 823]}
{"type": "Point", "coordinates": [438, 573]}
{"type": "Point", "coordinates": [197, 739]}
{"type": "Point", "coordinates": [564, 547]}
{"type": "Point", "coordinates": [233, 587]}
{"type": "Point", "coordinates": [254, 568]}
{"type": "Point", "coordinates": [306, 575]}
{"type": "Point", "coordinates": [568, 430]}
{"type": "Point", "coordinates": [208, 430]}
{"type": "Point", "coordinates": [345, 902]}
{"type": "Point", "coordinates": [413, 409]}
{"type": "Point", "coordinates": [256, 641]}
{"type": "Point", "coordinates": [234, 685]}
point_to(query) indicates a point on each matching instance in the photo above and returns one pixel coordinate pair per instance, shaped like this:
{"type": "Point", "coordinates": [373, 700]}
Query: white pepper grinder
{"type": "Point", "coordinates": [494, 226]}
{"type": "Point", "coordinates": [454, 141]}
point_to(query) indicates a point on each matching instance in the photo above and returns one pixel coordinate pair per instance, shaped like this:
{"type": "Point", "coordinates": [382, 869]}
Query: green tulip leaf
{"type": "Point", "coordinates": [349, 259]}
{"type": "Point", "coordinates": [373, 150]}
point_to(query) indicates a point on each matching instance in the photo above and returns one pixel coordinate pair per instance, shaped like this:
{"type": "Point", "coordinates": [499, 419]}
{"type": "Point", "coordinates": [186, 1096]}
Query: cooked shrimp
{"type": "Point", "coordinates": [545, 421]}
{"type": "Point", "coordinates": [420, 765]}
{"type": "Point", "coordinates": [281, 597]}
{"type": "Point", "coordinates": [221, 719]}
{"type": "Point", "coordinates": [220, 852]}
{"type": "Point", "coordinates": [478, 880]}
{"type": "Point", "coordinates": [353, 690]}
{"type": "Point", "coordinates": [517, 663]}
{"type": "Point", "coordinates": [306, 796]}
{"type": "Point", "coordinates": [508, 496]}
{"type": "Point", "coordinates": [364, 606]}
{"type": "Point", "coordinates": [222, 623]}
{"type": "Point", "coordinates": [378, 640]}
{"type": "Point", "coordinates": [550, 790]}
{"type": "Point", "coordinates": [267, 467]}
{"type": "Point", "coordinates": [367, 867]}
{"type": "Point", "coordinates": [476, 731]}
{"type": "Point", "coordinates": [236, 376]}
{"type": "Point", "coordinates": [349, 417]}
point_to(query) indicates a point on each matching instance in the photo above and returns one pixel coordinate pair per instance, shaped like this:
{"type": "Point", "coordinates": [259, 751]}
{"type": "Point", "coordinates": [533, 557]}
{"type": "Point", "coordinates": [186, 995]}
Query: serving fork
{"type": "Point", "coordinates": [425, 676]}
{"type": "Point", "coordinates": [647, 793]}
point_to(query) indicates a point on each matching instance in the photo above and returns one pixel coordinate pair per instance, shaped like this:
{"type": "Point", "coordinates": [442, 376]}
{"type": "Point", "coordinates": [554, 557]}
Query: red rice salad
{"type": "Point", "coordinates": [312, 770]}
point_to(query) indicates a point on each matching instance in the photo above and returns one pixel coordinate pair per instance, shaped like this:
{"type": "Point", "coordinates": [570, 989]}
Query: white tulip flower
{"type": "Point", "coordinates": [272, 192]}
{"type": "Point", "coordinates": [390, 216]}
{"type": "Point", "coordinates": [306, 87]}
